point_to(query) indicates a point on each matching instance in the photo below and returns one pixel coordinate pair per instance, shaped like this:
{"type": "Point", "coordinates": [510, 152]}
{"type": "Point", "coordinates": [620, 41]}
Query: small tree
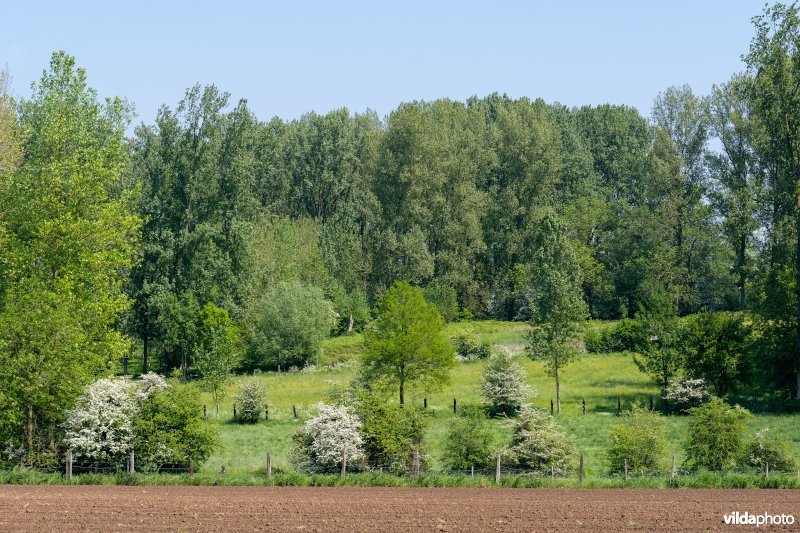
{"type": "Point", "coordinates": [293, 321]}
{"type": "Point", "coordinates": [556, 300]}
{"type": "Point", "coordinates": [687, 393]}
{"type": "Point", "coordinates": [218, 351]}
{"type": "Point", "coordinates": [715, 434]}
{"type": "Point", "coordinates": [538, 443]}
{"type": "Point", "coordinates": [406, 344]}
{"type": "Point", "coordinates": [503, 385]}
{"type": "Point", "coordinates": [639, 439]}
{"type": "Point", "coordinates": [250, 400]}
{"type": "Point", "coordinates": [327, 437]}
{"type": "Point", "coordinates": [469, 442]}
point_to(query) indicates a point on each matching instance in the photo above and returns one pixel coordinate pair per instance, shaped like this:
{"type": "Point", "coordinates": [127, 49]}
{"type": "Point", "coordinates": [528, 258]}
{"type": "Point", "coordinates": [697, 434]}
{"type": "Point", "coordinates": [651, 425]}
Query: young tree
{"type": "Point", "coordinates": [332, 433]}
{"type": "Point", "coordinates": [406, 344]}
{"type": "Point", "coordinates": [470, 441]}
{"type": "Point", "coordinates": [503, 384]}
{"type": "Point", "coordinates": [218, 351]}
{"type": "Point", "coordinates": [250, 400]}
{"type": "Point", "coordinates": [660, 351]}
{"type": "Point", "coordinates": [556, 300]}
{"type": "Point", "coordinates": [539, 443]}
{"type": "Point", "coordinates": [69, 236]}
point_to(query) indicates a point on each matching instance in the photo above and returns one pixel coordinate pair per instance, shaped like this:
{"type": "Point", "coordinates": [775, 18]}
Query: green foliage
{"type": "Point", "coordinates": [250, 400]}
{"type": "Point", "coordinates": [405, 345]}
{"type": "Point", "coordinates": [717, 350]}
{"type": "Point", "coordinates": [767, 447]}
{"type": "Point", "coordinates": [660, 351]}
{"type": "Point", "coordinates": [470, 441]}
{"type": "Point", "coordinates": [715, 434]}
{"type": "Point", "coordinates": [470, 348]}
{"type": "Point", "coordinates": [391, 432]}
{"type": "Point", "coordinates": [444, 298]}
{"type": "Point", "coordinates": [503, 385]}
{"type": "Point", "coordinates": [627, 335]}
{"type": "Point", "coordinates": [67, 236]}
{"type": "Point", "coordinates": [292, 322]}
{"type": "Point", "coordinates": [170, 430]}
{"type": "Point", "coordinates": [539, 444]}
{"type": "Point", "coordinates": [639, 439]}
{"type": "Point", "coordinates": [218, 351]}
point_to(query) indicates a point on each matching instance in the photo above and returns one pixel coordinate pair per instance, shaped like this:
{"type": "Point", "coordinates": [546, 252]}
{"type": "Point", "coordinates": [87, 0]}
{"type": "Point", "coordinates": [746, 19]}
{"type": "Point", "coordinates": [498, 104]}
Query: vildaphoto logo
{"type": "Point", "coordinates": [758, 520]}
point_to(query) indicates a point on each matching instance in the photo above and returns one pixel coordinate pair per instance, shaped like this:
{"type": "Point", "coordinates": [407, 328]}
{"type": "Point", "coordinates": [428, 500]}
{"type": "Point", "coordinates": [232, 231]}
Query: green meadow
{"type": "Point", "coordinates": [600, 380]}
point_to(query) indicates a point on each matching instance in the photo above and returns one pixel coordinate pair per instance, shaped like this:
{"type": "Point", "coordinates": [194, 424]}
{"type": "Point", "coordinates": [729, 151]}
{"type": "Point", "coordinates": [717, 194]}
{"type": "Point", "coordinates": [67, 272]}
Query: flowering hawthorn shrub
{"type": "Point", "coordinates": [325, 438]}
{"type": "Point", "coordinates": [687, 393]}
{"type": "Point", "coordinates": [503, 384]}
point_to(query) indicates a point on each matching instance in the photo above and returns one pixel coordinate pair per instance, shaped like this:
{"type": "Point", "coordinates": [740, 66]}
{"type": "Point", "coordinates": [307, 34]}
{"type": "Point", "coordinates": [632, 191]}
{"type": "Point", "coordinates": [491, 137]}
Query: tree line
{"type": "Point", "coordinates": [192, 229]}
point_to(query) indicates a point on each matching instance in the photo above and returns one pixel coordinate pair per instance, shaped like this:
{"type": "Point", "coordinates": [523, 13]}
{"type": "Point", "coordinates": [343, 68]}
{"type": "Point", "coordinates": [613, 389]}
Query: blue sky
{"type": "Point", "coordinates": [288, 58]}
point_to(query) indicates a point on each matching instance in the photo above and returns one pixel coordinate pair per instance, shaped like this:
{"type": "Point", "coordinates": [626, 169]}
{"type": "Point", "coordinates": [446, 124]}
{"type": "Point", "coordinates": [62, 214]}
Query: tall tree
{"type": "Point", "coordinates": [71, 232]}
{"type": "Point", "coordinates": [774, 64]}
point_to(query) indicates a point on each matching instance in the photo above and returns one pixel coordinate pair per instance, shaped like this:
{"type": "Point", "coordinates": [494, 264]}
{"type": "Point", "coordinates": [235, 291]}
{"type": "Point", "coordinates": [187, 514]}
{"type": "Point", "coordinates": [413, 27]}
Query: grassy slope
{"type": "Point", "coordinates": [599, 379]}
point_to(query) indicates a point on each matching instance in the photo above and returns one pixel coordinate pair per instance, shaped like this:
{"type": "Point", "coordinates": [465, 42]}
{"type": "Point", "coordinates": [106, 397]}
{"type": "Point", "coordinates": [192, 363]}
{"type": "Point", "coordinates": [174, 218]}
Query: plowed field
{"type": "Point", "coordinates": [100, 508]}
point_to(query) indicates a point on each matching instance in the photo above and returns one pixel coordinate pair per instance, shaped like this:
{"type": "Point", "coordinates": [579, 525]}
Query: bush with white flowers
{"type": "Point", "coordinates": [687, 393]}
{"type": "Point", "coordinates": [99, 429]}
{"type": "Point", "coordinates": [325, 438]}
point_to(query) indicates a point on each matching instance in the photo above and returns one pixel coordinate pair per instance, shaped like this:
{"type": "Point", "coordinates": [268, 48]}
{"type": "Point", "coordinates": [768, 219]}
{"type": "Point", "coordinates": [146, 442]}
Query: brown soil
{"type": "Point", "coordinates": [98, 508]}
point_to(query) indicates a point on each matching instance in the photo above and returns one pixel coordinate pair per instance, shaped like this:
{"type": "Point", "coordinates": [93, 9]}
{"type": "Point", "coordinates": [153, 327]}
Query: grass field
{"type": "Point", "coordinates": [600, 380]}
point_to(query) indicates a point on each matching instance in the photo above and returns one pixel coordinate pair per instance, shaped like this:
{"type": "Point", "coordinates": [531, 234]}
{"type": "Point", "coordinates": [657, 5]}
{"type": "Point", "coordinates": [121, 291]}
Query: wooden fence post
{"type": "Point", "coordinates": [651, 403]}
{"type": "Point", "coordinates": [581, 470]}
{"type": "Point", "coordinates": [472, 471]}
{"type": "Point", "coordinates": [125, 365]}
{"type": "Point", "coordinates": [234, 410]}
{"type": "Point", "coordinates": [266, 412]}
{"type": "Point", "coordinates": [551, 407]}
{"type": "Point", "coordinates": [191, 467]}
{"type": "Point", "coordinates": [132, 463]}
{"type": "Point", "coordinates": [425, 402]}
{"type": "Point", "coordinates": [205, 413]}
{"type": "Point", "coordinates": [619, 406]}
{"type": "Point", "coordinates": [344, 463]}
{"type": "Point", "coordinates": [497, 470]}
{"type": "Point", "coordinates": [415, 465]}
{"type": "Point", "coordinates": [552, 472]}
{"type": "Point", "coordinates": [69, 465]}
{"type": "Point", "coordinates": [454, 406]}
{"type": "Point", "coordinates": [672, 471]}
{"type": "Point", "coordinates": [269, 465]}
{"type": "Point", "coordinates": [294, 410]}
{"type": "Point", "coordinates": [626, 470]}
{"type": "Point", "coordinates": [766, 470]}
{"type": "Point", "coordinates": [583, 406]}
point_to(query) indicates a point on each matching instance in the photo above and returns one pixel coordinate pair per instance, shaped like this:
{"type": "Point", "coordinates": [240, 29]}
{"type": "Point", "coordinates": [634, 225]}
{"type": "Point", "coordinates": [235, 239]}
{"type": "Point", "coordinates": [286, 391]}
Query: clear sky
{"type": "Point", "coordinates": [291, 57]}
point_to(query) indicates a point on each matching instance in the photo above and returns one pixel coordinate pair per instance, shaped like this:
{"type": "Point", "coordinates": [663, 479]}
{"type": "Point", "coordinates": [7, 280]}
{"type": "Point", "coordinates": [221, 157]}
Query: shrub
{"type": "Point", "coordinates": [538, 443]}
{"type": "Point", "coordinates": [715, 434]}
{"type": "Point", "coordinates": [470, 348]}
{"type": "Point", "coordinates": [250, 400]}
{"type": "Point", "coordinates": [686, 393]}
{"type": "Point", "coordinates": [391, 432]}
{"type": "Point", "coordinates": [100, 426]}
{"type": "Point", "coordinates": [469, 442]}
{"type": "Point", "coordinates": [325, 438]}
{"type": "Point", "coordinates": [503, 384]}
{"type": "Point", "coordinates": [170, 430]}
{"type": "Point", "coordinates": [293, 321]}
{"type": "Point", "coordinates": [626, 335]}
{"type": "Point", "coordinates": [639, 438]}
{"type": "Point", "coordinates": [767, 447]}
{"type": "Point", "coordinates": [716, 349]}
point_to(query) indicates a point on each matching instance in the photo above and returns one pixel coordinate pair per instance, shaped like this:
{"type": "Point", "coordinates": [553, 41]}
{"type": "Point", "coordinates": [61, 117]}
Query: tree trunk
{"type": "Point", "coordinates": [558, 393]}
{"type": "Point", "coordinates": [145, 342]}
{"type": "Point", "coordinates": [742, 273]}
{"type": "Point", "coordinates": [402, 397]}
{"type": "Point", "coordinates": [797, 286]}
{"type": "Point", "coordinates": [30, 427]}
